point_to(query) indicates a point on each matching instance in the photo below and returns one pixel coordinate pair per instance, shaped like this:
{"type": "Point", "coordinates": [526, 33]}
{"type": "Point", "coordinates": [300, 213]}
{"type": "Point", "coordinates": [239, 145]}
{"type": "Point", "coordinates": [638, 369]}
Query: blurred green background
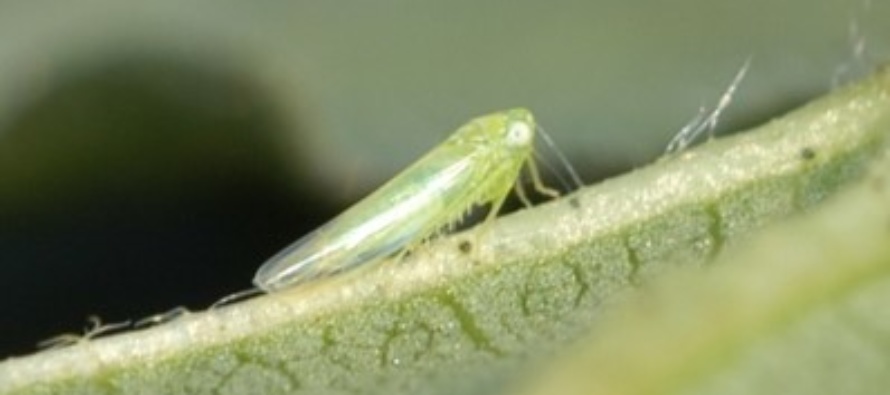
{"type": "Point", "coordinates": [153, 154]}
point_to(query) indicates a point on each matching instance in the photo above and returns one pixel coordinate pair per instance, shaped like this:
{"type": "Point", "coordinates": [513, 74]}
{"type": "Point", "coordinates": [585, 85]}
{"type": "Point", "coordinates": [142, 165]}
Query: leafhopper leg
{"type": "Point", "coordinates": [538, 183]}
{"type": "Point", "coordinates": [520, 192]}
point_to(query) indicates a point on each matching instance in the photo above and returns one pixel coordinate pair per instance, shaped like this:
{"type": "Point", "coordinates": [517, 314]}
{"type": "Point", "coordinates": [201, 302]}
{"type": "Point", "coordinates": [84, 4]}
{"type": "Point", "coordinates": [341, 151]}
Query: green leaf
{"type": "Point", "coordinates": [470, 312]}
{"type": "Point", "coordinates": [799, 310]}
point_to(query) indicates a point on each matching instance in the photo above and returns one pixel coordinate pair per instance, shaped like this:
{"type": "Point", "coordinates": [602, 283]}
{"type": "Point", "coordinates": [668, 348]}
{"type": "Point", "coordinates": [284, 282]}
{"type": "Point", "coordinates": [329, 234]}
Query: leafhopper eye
{"type": "Point", "coordinates": [519, 134]}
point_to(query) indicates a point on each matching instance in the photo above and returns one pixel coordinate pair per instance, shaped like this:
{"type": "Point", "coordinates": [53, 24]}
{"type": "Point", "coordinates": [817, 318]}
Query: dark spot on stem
{"type": "Point", "coordinates": [807, 153]}
{"type": "Point", "coordinates": [465, 246]}
{"type": "Point", "coordinates": [574, 203]}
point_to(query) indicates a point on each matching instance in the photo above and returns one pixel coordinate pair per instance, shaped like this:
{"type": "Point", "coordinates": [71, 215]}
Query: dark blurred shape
{"type": "Point", "coordinates": [136, 187]}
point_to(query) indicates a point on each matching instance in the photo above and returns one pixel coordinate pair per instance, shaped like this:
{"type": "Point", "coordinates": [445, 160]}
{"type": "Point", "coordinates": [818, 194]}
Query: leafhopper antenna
{"type": "Point", "coordinates": [573, 174]}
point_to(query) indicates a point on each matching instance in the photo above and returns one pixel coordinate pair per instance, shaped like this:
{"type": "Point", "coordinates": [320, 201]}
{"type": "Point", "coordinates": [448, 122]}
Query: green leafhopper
{"type": "Point", "coordinates": [477, 165]}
